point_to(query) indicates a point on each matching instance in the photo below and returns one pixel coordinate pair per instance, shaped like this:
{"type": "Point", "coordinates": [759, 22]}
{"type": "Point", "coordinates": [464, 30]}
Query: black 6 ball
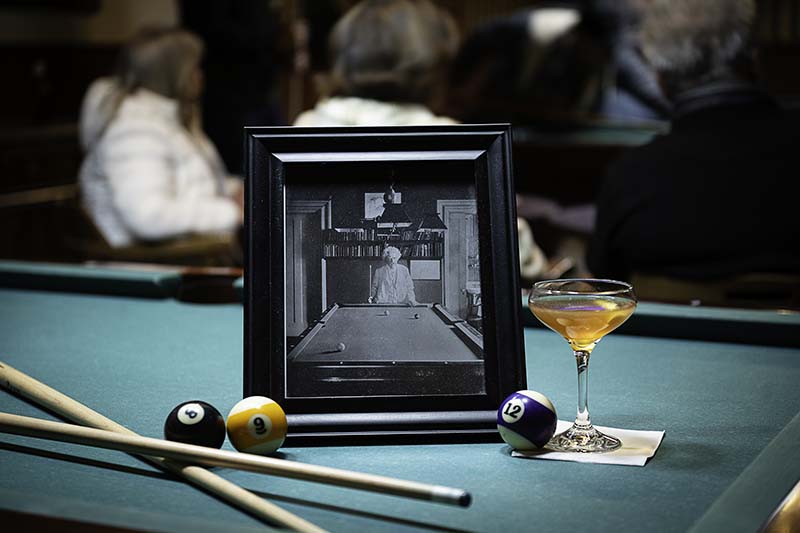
{"type": "Point", "coordinates": [195, 422]}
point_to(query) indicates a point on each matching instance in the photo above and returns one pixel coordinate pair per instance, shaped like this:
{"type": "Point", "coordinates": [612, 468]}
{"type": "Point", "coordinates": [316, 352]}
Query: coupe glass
{"type": "Point", "coordinates": [582, 311]}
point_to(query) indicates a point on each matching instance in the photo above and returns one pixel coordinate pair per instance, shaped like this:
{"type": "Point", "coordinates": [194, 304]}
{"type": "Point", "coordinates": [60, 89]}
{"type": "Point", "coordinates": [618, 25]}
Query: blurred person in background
{"type": "Point", "coordinates": [388, 60]}
{"type": "Point", "coordinates": [555, 64]}
{"type": "Point", "coordinates": [708, 200]}
{"type": "Point", "coordinates": [150, 174]}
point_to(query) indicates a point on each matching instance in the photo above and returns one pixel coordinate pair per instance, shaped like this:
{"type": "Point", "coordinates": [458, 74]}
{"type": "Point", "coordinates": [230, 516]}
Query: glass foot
{"type": "Point", "coordinates": [583, 439]}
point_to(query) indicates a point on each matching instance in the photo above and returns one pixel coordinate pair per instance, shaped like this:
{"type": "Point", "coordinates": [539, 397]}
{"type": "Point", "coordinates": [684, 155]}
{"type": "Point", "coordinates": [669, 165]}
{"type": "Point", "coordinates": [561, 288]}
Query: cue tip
{"type": "Point", "coordinates": [450, 495]}
{"type": "Point", "coordinates": [465, 499]}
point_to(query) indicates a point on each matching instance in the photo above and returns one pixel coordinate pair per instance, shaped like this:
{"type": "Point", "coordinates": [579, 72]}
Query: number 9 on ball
{"type": "Point", "coordinates": [257, 425]}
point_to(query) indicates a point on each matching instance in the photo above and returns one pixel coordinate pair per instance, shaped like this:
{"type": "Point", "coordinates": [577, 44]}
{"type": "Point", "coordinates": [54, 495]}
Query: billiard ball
{"type": "Point", "coordinates": [195, 422]}
{"type": "Point", "coordinates": [416, 316]}
{"type": "Point", "coordinates": [257, 425]}
{"type": "Point", "coordinates": [340, 347]}
{"type": "Point", "coordinates": [386, 313]}
{"type": "Point", "coordinates": [526, 420]}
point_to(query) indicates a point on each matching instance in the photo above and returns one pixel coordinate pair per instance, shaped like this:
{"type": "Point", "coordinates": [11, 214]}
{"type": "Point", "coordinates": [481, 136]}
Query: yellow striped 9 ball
{"type": "Point", "coordinates": [257, 425]}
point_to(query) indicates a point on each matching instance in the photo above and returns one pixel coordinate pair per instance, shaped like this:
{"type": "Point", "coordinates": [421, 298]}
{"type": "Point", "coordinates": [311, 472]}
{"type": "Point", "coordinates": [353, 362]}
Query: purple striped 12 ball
{"type": "Point", "coordinates": [526, 420]}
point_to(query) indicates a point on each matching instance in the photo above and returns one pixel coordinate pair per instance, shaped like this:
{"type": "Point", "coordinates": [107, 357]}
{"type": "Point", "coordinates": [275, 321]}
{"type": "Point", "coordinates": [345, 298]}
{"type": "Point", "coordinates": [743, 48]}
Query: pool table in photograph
{"type": "Point", "coordinates": [369, 349]}
{"type": "Point", "coordinates": [722, 383]}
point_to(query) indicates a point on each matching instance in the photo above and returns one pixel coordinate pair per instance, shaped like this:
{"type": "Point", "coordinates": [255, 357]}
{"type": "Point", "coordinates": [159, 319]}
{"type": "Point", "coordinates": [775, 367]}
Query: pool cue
{"type": "Point", "coordinates": [36, 391]}
{"type": "Point", "coordinates": [46, 429]}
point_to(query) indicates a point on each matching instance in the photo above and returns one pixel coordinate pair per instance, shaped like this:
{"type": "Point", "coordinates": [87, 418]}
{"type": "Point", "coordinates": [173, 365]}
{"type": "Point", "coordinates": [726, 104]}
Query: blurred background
{"type": "Point", "coordinates": [573, 114]}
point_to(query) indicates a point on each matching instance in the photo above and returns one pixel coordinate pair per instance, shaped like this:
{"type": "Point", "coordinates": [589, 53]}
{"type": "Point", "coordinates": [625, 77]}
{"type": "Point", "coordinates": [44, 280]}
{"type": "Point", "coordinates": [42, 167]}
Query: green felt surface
{"type": "Point", "coordinates": [593, 135]}
{"type": "Point", "coordinates": [742, 508]}
{"type": "Point", "coordinates": [154, 283]}
{"type": "Point", "coordinates": [132, 359]}
{"type": "Point", "coordinates": [718, 313]}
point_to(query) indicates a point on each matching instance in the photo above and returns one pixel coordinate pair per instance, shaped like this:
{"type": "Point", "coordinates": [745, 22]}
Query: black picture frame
{"type": "Point", "coordinates": [279, 159]}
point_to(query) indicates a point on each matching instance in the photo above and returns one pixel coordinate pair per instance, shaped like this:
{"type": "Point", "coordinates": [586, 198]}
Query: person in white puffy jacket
{"type": "Point", "coordinates": [150, 174]}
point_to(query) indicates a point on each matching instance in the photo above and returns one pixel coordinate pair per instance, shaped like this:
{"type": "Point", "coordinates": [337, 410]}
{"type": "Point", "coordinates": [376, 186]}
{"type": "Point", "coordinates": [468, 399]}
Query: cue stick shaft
{"type": "Point", "coordinates": [46, 429]}
{"type": "Point", "coordinates": [36, 391]}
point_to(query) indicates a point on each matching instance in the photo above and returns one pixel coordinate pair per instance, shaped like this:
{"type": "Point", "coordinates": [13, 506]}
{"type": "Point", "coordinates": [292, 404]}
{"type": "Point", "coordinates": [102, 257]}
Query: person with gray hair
{"type": "Point", "coordinates": [387, 62]}
{"type": "Point", "coordinates": [691, 43]}
{"type": "Point", "coordinates": [392, 283]}
{"type": "Point", "coordinates": [705, 201]}
{"type": "Point", "coordinates": [150, 173]}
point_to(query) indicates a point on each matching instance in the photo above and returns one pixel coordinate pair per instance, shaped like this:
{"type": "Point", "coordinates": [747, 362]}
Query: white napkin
{"type": "Point", "coordinates": [637, 448]}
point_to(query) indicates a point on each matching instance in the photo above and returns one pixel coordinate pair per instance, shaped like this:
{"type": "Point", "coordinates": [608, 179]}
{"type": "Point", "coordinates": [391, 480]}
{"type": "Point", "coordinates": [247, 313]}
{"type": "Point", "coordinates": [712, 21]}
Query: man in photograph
{"type": "Point", "coordinates": [392, 283]}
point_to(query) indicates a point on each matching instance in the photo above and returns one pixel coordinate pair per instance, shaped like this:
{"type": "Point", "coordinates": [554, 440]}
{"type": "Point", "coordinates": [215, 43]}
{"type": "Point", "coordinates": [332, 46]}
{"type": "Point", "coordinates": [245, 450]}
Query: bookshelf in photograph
{"type": "Point", "coordinates": [361, 243]}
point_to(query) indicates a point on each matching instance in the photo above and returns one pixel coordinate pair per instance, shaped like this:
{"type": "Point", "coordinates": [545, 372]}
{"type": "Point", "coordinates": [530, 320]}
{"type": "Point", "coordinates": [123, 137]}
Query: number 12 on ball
{"type": "Point", "coordinates": [526, 420]}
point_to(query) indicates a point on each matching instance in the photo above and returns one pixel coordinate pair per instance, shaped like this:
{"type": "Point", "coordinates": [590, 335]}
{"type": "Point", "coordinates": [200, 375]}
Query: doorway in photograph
{"type": "Point", "coordinates": [305, 223]}
{"type": "Point", "coordinates": [462, 293]}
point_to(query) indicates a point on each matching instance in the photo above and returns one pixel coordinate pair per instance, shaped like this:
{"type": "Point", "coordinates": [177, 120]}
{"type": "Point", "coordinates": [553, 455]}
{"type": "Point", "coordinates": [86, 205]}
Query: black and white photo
{"type": "Point", "coordinates": [387, 304]}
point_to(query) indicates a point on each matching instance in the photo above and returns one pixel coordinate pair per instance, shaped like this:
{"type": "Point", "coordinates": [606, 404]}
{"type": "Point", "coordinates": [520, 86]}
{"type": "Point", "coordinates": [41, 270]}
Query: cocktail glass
{"type": "Point", "coordinates": [582, 311]}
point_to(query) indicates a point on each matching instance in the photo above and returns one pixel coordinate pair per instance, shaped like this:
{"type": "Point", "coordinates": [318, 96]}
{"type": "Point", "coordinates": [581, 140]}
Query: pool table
{"type": "Point", "coordinates": [367, 349]}
{"type": "Point", "coordinates": [723, 383]}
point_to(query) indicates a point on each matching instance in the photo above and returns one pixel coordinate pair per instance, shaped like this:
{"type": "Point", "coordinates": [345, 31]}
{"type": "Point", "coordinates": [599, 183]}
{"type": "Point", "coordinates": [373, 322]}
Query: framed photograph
{"type": "Point", "coordinates": [381, 288]}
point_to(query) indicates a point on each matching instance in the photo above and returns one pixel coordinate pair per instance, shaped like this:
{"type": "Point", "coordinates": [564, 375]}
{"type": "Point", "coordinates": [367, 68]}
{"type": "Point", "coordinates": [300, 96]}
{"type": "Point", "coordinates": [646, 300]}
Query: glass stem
{"type": "Point", "coordinates": [582, 419]}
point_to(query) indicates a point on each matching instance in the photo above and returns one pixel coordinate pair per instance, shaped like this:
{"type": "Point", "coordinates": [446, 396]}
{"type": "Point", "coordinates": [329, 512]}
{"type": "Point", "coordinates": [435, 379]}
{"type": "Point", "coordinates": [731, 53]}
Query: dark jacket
{"type": "Point", "coordinates": [714, 197]}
